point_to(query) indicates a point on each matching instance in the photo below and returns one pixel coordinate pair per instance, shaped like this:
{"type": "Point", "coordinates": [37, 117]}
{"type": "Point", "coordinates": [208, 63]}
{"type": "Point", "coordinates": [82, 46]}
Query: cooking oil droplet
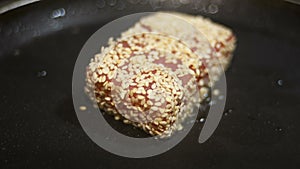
{"type": "Point", "coordinates": [278, 129]}
{"type": "Point", "coordinates": [100, 4]}
{"type": "Point", "coordinates": [58, 13]}
{"type": "Point", "coordinates": [42, 74]}
{"type": "Point", "coordinates": [280, 82]}
{"type": "Point", "coordinates": [112, 2]}
{"type": "Point", "coordinates": [229, 111]}
{"type": "Point", "coordinates": [213, 9]}
{"type": "Point", "coordinates": [202, 120]}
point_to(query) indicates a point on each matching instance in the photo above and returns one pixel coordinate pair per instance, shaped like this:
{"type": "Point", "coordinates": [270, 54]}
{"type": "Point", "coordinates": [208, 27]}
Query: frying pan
{"type": "Point", "coordinates": [39, 128]}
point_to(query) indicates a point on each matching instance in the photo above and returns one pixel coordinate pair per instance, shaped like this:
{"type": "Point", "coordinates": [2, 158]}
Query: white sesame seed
{"type": "Point", "coordinates": [82, 108]}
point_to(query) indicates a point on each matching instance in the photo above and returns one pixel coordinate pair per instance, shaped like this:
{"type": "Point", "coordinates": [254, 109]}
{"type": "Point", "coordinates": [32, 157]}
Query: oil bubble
{"type": "Point", "coordinates": [58, 13]}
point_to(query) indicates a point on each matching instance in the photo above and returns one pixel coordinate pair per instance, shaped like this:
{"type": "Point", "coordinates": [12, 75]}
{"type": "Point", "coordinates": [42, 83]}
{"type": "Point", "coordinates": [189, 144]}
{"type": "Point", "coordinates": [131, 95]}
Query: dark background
{"type": "Point", "coordinates": [38, 124]}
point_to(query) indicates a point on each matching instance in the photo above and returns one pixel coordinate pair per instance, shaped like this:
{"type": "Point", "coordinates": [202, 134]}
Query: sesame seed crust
{"type": "Point", "coordinates": [149, 80]}
{"type": "Point", "coordinates": [145, 80]}
{"type": "Point", "coordinates": [212, 42]}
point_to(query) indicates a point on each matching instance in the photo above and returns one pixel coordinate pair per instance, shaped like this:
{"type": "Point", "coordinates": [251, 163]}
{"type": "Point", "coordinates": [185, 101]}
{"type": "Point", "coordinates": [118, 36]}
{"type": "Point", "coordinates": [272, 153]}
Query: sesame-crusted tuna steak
{"type": "Point", "coordinates": [147, 80]}
{"type": "Point", "coordinates": [149, 77]}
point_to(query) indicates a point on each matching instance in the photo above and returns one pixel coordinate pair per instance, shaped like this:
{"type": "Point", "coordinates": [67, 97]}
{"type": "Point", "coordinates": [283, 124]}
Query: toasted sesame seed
{"type": "Point", "coordinates": [216, 92]}
{"type": "Point", "coordinates": [82, 108]}
{"type": "Point", "coordinates": [107, 98]}
{"type": "Point", "coordinates": [117, 117]}
{"type": "Point", "coordinates": [149, 103]}
{"type": "Point", "coordinates": [157, 104]}
{"type": "Point", "coordinates": [105, 70]}
{"type": "Point", "coordinates": [164, 115]}
{"type": "Point", "coordinates": [163, 122]}
{"type": "Point", "coordinates": [153, 86]}
{"type": "Point", "coordinates": [141, 97]}
{"type": "Point", "coordinates": [126, 121]}
{"type": "Point", "coordinates": [102, 78]}
{"type": "Point", "coordinates": [179, 127]}
{"type": "Point", "coordinates": [154, 108]}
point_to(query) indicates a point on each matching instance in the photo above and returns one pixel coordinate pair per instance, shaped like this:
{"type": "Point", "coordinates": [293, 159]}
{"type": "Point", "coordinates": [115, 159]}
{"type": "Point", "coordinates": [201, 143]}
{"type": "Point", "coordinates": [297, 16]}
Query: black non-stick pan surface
{"type": "Point", "coordinates": [39, 128]}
